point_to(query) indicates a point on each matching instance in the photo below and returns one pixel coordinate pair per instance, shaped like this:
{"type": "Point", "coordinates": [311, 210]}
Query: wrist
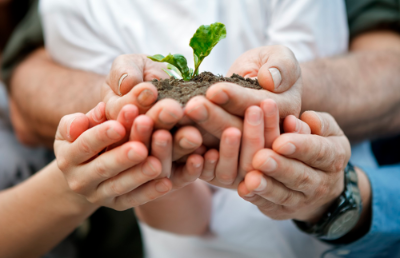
{"type": "Point", "coordinates": [72, 203]}
{"type": "Point", "coordinates": [343, 215]}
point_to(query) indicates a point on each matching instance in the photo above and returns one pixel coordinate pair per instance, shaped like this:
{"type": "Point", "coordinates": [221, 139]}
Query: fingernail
{"type": "Point", "coordinates": [98, 116]}
{"type": "Point", "coordinates": [232, 140]}
{"type": "Point", "coordinates": [249, 195]}
{"type": "Point", "coordinates": [254, 116]}
{"type": "Point", "coordinates": [201, 113]}
{"type": "Point", "coordinates": [112, 134]}
{"type": "Point", "coordinates": [161, 187]}
{"type": "Point", "coordinates": [196, 165]}
{"type": "Point", "coordinates": [142, 128]}
{"type": "Point", "coordinates": [262, 185]}
{"type": "Point", "coordinates": [320, 120]}
{"type": "Point", "coordinates": [149, 169]}
{"type": "Point", "coordinates": [120, 82]}
{"type": "Point", "coordinates": [167, 117]}
{"type": "Point", "coordinates": [128, 116]}
{"type": "Point", "coordinates": [297, 128]}
{"type": "Point", "coordinates": [269, 165]}
{"type": "Point", "coordinates": [276, 77]}
{"type": "Point", "coordinates": [132, 154]}
{"type": "Point", "coordinates": [69, 128]}
{"type": "Point", "coordinates": [161, 143]}
{"type": "Point", "coordinates": [186, 144]}
{"type": "Point", "coordinates": [222, 97]}
{"type": "Point", "coordinates": [287, 149]}
{"type": "Point", "coordinates": [146, 98]}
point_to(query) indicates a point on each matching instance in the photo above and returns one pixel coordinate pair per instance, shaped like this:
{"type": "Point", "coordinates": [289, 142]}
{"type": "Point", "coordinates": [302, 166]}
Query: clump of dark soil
{"type": "Point", "coordinates": [183, 91]}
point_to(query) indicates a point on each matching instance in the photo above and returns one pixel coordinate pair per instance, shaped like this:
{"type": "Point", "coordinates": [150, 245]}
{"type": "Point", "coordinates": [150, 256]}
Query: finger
{"type": "Point", "coordinates": [142, 129]}
{"type": "Point", "coordinates": [271, 190]}
{"type": "Point", "coordinates": [166, 113]}
{"type": "Point", "coordinates": [211, 117]}
{"type": "Point", "coordinates": [322, 124]}
{"type": "Point", "coordinates": [186, 140]}
{"type": "Point", "coordinates": [129, 70]}
{"type": "Point", "coordinates": [161, 148]}
{"type": "Point", "coordinates": [113, 162]}
{"type": "Point", "coordinates": [127, 115]}
{"type": "Point", "coordinates": [253, 138]}
{"type": "Point", "coordinates": [210, 163]}
{"type": "Point", "coordinates": [187, 173]}
{"type": "Point", "coordinates": [271, 121]}
{"type": "Point", "coordinates": [97, 115]}
{"type": "Point", "coordinates": [227, 166]}
{"type": "Point", "coordinates": [71, 127]}
{"type": "Point", "coordinates": [142, 96]}
{"type": "Point", "coordinates": [265, 206]}
{"type": "Point", "coordinates": [128, 180]}
{"type": "Point", "coordinates": [86, 178]}
{"type": "Point", "coordinates": [293, 174]}
{"type": "Point", "coordinates": [292, 124]}
{"type": "Point", "coordinates": [92, 141]}
{"type": "Point", "coordinates": [236, 99]}
{"type": "Point", "coordinates": [319, 152]}
{"type": "Point", "coordinates": [143, 194]}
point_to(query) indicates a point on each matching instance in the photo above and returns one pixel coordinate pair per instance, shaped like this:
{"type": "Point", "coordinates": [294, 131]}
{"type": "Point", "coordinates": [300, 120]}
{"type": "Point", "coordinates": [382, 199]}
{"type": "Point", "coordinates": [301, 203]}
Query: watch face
{"type": "Point", "coordinates": [343, 224]}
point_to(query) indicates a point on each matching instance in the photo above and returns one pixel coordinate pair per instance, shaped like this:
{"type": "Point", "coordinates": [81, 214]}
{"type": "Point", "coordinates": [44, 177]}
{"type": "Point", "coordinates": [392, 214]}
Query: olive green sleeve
{"type": "Point", "coordinates": [367, 15]}
{"type": "Point", "coordinates": [27, 37]}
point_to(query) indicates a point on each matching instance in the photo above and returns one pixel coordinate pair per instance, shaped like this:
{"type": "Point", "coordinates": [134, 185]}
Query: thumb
{"type": "Point", "coordinates": [276, 67]}
{"type": "Point", "coordinates": [129, 70]}
{"type": "Point", "coordinates": [71, 126]}
{"type": "Point", "coordinates": [280, 71]}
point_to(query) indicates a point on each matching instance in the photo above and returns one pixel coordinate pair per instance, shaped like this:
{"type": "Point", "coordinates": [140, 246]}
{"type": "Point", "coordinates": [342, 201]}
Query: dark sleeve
{"type": "Point", "coordinates": [27, 37]}
{"type": "Point", "coordinates": [367, 15]}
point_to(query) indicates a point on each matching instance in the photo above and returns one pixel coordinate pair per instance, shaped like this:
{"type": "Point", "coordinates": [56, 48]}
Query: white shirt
{"type": "Point", "coordinates": [88, 35]}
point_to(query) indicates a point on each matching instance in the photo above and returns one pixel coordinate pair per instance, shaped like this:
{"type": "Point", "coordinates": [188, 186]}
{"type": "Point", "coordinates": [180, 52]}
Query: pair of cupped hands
{"type": "Point", "coordinates": [123, 154]}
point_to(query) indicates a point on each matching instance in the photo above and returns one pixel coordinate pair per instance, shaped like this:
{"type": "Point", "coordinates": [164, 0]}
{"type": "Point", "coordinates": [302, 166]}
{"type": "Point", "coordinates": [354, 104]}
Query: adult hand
{"type": "Point", "coordinates": [303, 173]}
{"type": "Point", "coordinates": [277, 71]}
{"type": "Point", "coordinates": [120, 178]}
{"type": "Point", "coordinates": [126, 84]}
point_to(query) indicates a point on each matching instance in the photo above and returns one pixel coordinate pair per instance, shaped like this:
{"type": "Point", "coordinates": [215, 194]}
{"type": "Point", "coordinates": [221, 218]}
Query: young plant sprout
{"type": "Point", "coordinates": [202, 42]}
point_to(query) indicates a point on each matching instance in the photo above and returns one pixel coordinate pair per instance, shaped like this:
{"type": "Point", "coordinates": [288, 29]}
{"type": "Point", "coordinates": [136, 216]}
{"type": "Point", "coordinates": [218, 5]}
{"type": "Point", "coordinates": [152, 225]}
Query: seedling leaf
{"type": "Point", "coordinates": [169, 73]}
{"type": "Point", "coordinates": [177, 60]}
{"type": "Point", "coordinates": [173, 68]}
{"type": "Point", "coordinates": [204, 40]}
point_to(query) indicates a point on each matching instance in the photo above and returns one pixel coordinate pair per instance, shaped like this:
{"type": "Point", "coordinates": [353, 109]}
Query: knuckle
{"type": "Point", "coordinates": [303, 180]}
{"type": "Point", "coordinates": [321, 190]}
{"type": "Point", "coordinates": [116, 188]}
{"type": "Point", "coordinates": [101, 170]}
{"type": "Point", "coordinates": [287, 200]}
{"type": "Point", "coordinates": [76, 186]}
{"type": "Point", "coordinates": [83, 146]}
{"type": "Point", "coordinates": [62, 163]}
{"type": "Point", "coordinates": [131, 202]}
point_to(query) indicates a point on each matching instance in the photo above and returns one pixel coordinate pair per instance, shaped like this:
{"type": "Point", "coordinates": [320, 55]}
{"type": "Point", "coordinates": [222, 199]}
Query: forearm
{"type": "Point", "coordinates": [186, 211]}
{"type": "Point", "coordinates": [39, 213]}
{"type": "Point", "coordinates": [361, 89]}
{"type": "Point", "coordinates": [43, 91]}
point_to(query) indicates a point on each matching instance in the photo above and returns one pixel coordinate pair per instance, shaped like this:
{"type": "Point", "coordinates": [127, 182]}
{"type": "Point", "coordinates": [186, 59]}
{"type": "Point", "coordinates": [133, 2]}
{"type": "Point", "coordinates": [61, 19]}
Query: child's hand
{"type": "Point", "coordinates": [226, 168]}
{"type": "Point", "coordinates": [120, 178]}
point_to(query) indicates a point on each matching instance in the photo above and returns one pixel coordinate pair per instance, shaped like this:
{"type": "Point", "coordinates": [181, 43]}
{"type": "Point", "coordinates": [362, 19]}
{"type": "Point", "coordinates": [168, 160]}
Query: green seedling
{"type": "Point", "coordinates": [202, 42]}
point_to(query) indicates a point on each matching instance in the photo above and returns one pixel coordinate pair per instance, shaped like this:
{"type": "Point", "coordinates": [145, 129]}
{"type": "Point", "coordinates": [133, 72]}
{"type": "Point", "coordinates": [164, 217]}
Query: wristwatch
{"type": "Point", "coordinates": [342, 215]}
